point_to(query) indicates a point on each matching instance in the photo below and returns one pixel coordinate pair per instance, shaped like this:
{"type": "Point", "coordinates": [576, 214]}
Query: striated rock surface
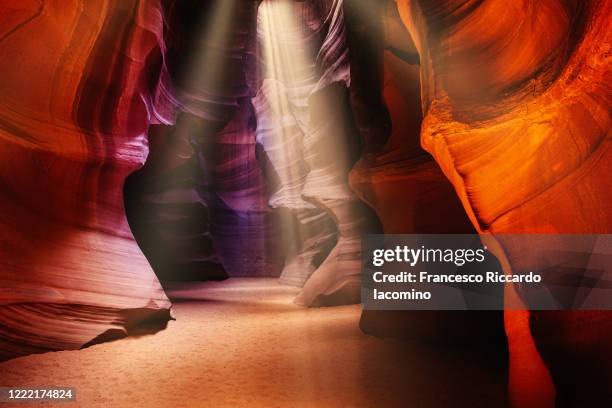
{"type": "Point", "coordinates": [394, 172]}
{"type": "Point", "coordinates": [170, 221]}
{"type": "Point", "coordinates": [289, 34]}
{"type": "Point", "coordinates": [395, 176]}
{"type": "Point", "coordinates": [517, 113]}
{"type": "Point", "coordinates": [329, 147]}
{"type": "Point", "coordinates": [307, 133]}
{"type": "Point", "coordinates": [328, 154]}
{"type": "Point", "coordinates": [203, 193]}
{"type": "Point", "coordinates": [242, 224]}
{"type": "Point", "coordinates": [72, 127]}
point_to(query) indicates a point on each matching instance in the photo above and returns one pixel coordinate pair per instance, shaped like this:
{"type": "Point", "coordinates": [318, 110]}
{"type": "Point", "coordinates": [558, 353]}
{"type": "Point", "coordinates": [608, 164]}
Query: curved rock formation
{"type": "Point", "coordinates": [72, 127]}
{"type": "Point", "coordinates": [516, 99]}
{"type": "Point", "coordinates": [338, 278]}
{"type": "Point", "coordinates": [168, 218]}
{"type": "Point", "coordinates": [395, 176]}
{"type": "Point", "coordinates": [305, 127]}
{"type": "Point", "coordinates": [241, 221]}
{"type": "Point", "coordinates": [394, 171]}
{"type": "Point", "coordinates": [329, 150]}
{"type": "Point", "coordinates": [288, 34]}
{"type": "Point", "coordinates": [202, 193]}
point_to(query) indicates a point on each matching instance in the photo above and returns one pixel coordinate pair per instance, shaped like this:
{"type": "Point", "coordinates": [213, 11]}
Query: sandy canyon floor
{"type": "Point", "coordinates": [243, 342]}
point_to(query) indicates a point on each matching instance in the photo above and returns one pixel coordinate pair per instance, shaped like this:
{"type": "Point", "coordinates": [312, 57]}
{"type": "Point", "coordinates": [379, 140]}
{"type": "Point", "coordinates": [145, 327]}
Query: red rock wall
{"type": "Point", "coordinates": [72, 127]}
{"type": "Point", "coordinates": [396, 177]}
{"type": "Point", "coordinates": [516, 97]}
{"type": "Point", "coordinates": [394, 171]}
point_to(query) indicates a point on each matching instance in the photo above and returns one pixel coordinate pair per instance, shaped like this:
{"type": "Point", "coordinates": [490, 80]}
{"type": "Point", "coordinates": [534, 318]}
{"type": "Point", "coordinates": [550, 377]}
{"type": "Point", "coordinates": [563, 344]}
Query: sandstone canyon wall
{"type": "Point", "coordinates": [396, 177]}
{"type": "Point", "coordinates": [72, 127]}
{"type": "Point", "coordinates": [307, 131]}
{"type": "Point", "coordinates": [510, 100]}
{"type": "Point", "coordinates": [289, 34]}
{"type": "Point", "coordinates": [516, 98]}
{"type": "Point", "coordinates": [199, 207]}
{"type": "Point", "coordinates": [77, 118]}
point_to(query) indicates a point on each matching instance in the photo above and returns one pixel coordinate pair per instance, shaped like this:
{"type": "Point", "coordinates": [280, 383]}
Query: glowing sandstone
{"type": "Point", "coordinates": [516, 97]}
{"type": "Point", "coordinates": [289, 35]}
{"type": "Point", "coordinates": [72, 126]}
{"type": "Point", "coordinates": [305, 126]}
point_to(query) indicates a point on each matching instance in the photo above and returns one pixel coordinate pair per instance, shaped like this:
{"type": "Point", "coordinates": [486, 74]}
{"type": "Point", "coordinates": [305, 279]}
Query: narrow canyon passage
{"type": "Point", "coordinates": [243, 342]}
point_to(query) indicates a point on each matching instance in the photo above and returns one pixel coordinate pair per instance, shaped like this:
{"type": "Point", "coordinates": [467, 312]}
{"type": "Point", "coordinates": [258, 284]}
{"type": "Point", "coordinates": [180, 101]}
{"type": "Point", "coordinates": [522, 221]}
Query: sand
{"type": "Point", "coordinates": [243, 342]}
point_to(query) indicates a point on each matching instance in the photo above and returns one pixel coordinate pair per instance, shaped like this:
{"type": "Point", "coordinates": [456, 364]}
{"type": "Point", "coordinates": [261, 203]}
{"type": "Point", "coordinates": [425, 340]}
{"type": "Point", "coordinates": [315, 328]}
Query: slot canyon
{"type": "Point", "coordinates": [185, 186]}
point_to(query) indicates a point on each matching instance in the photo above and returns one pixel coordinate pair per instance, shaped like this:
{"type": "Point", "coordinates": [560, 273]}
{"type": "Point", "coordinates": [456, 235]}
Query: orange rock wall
{"type": "Point", "coordinates": [72, 127]}
{"type": "Point", "coordinates": [516, 97]}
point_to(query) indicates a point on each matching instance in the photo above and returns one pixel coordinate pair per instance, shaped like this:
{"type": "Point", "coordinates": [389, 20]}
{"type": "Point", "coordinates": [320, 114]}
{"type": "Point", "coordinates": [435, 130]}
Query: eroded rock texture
{"type": "Point", "coordinates": [307, 132]}
{"type": "Point", "coordinates": [289, 35]}
{"type": "Point", "coordinates": [516, 98]}
{"type": "Point", "coordinates": [72, 127]}
{"type": "Point", "coordinates": [394, 171]}
{"type": "Point", "coordinates": [199, 207]}
{"type": "Point", "coordinates": [330, 148]}
{"type": "Point", "coordinates": [169, 219]}
{"type": "Point", "coordinates": [395, 176]}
